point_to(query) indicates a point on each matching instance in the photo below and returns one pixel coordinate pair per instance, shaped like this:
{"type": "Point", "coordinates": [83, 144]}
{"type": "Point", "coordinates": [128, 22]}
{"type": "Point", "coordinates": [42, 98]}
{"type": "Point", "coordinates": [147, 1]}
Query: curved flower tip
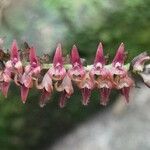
{"type": "Point", "coordinates": [139, 61]}
{"type": "Point", "coordinates": [58, 56]}
{"type": "Point", "coordinates": [24, 93]}
{"type": "Point", "coordinates": [99, 58]}
{"type": "Point", "coordinates": [74, 57]}
{"type": "Point", "coordinates": [104, 93]}
{"type": "Point", "coordinates": [120, 56]}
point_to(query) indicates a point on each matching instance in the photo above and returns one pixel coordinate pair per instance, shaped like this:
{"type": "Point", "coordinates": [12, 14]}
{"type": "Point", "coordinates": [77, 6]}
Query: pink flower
{"type": "Point", "coordinates": [66, 88]}
{"type": "Point", "coordinates": [31, 71]}
{"type": "Point", "coordinates": [58, 71]}
{"type": "Point", "coordinates": [77, 71]}
{"type": "Point", "coordinates": [80, 76]}
{"type": "Point", "coordinates": [86, 84]}
{"type": "Point", "coordinates": [47, 87]}
{"type": "Point", "coordinates": [14, 64]}
{"type": "Point", "coordinates": [13, 67]}
{"type": "Point", "coordinates": [121, 78]}
{"type": "Point", "coordinates": [102, 75]}
{"type": "Point", "coordinates": [5, 78]}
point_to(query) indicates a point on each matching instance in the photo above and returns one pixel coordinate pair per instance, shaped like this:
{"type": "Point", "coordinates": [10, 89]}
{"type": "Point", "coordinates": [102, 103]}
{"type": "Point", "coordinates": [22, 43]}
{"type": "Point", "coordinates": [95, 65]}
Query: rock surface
{"type": "Point", "coordinates": [123, 127]}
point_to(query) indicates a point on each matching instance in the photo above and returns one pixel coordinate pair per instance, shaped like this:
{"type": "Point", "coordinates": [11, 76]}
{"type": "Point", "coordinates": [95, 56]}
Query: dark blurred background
{"type": "Point", "coordinates": [46, 23]}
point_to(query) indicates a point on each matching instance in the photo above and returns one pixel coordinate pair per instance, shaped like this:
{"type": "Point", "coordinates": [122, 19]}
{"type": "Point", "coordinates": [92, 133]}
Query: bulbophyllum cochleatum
{"type": "Point", "coordinates": [28, 70]}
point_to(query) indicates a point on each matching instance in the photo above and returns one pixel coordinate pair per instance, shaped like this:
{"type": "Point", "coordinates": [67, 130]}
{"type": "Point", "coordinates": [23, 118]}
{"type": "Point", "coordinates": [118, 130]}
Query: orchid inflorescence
{"type": "Point", "coordinates": [26, 70]}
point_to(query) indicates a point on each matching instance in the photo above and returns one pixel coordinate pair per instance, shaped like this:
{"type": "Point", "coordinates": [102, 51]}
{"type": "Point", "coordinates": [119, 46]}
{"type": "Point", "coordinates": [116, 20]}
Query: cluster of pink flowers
{"type": "Point", "coordinates": [61, 77]}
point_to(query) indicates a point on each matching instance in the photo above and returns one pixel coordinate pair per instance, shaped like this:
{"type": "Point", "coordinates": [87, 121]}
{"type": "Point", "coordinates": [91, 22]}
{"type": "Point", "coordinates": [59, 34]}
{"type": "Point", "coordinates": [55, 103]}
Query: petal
{"type": "Point", "coordinates": [27, 80]}
{"type": "Point", "coordinates": [7, 75]}
{"type": "Point", "coordinates": [33, 58]}
{"type": "Point", "coordinates": [75, 58]}
{"type": "Point", "coordinates": [58, 59]}
{"type": "Point", "coordinates": [47, 83]}
{"type": "Point", "coordinates": [18, 66]}
{"type": "Point", "coordinates": [66, 87]}
{"type": "Point", "coordinates": [24, 93]}
{"type": "Point", "coordinates": [36, 70]}
{"type": "Point", "coordinates": [99, 58]}
{"type": "Point", "coordinates": [125, 91]}
{"type": "Point", "coordinates": [63, 99]}
{"type": "Point", "coordinates": [120, 55]}
{"type": "Point", "coordinates": [86, 94]}
{"type": "Point", "coordinates": [4, 88]}
{"type": "Point", "coordinates": [14, 51]}
{"type": "Point", "coordinates": [105, 93]}
{"type": "Point", "coordinates": [8, 64]}
{"type": "Point", "coordinates": [45, 97]}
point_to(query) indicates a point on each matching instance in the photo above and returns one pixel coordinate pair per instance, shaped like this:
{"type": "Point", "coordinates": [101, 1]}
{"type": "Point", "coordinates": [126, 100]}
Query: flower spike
{"type": "Point", "coordinates": [62, 74]}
